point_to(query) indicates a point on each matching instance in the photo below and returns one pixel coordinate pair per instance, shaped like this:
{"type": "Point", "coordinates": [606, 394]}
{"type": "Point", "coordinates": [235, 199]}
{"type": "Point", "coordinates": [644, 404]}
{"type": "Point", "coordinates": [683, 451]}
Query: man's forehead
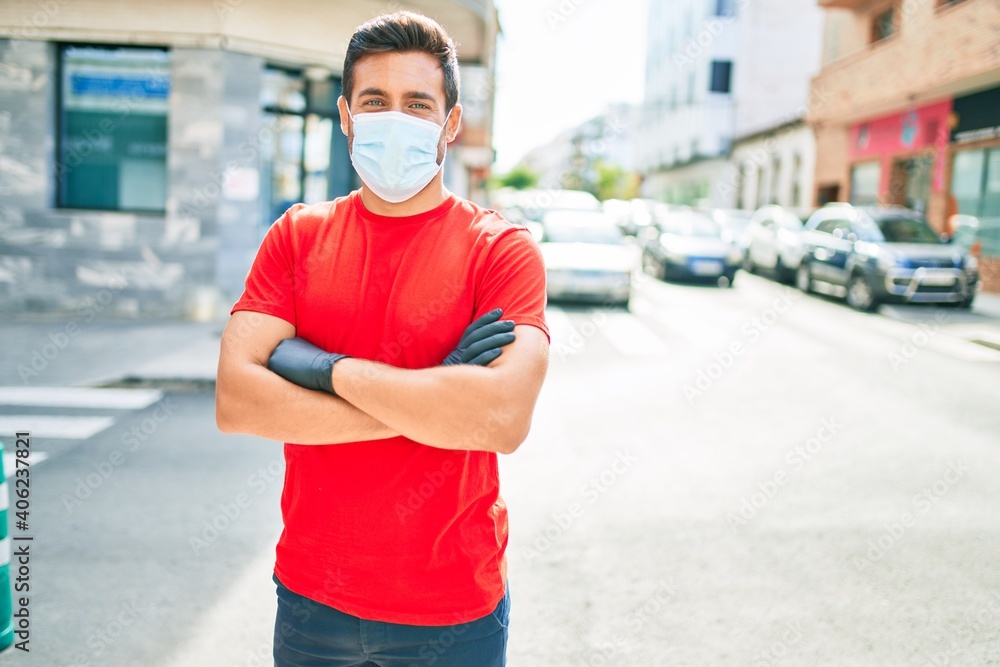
{"type": "Point", "coordinates": [399, 73]}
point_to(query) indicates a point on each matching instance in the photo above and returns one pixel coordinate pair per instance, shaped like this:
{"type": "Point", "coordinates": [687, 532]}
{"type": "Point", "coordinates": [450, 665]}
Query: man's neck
{"type": "Point", "coordinates": [427, 199]}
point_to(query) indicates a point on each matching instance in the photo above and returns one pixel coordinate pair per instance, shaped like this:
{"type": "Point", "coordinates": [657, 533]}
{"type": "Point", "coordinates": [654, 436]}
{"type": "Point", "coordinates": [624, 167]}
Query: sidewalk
{"type": "Point", "coordinates": [987, 304]}
{"type": "Point", "coordinates": [60, 350]}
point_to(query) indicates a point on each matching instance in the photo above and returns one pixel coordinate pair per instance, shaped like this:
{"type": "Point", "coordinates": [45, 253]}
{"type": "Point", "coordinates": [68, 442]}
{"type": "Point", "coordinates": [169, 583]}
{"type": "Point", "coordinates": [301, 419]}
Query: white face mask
{"type": "Point", "coordinates": [394, 153]}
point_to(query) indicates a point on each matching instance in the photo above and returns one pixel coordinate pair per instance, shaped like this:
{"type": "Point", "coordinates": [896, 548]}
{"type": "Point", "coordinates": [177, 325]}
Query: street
{"type": "Point", "coordinates": [733, 477]}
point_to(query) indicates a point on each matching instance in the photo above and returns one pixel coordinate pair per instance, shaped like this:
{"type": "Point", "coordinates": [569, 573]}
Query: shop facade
{"type": "Point", "coordinates": [900, 159]}
{"type": "Point", "coordinates": [145, 154]}
{"type": "Point", "coordinates": [975, 174]}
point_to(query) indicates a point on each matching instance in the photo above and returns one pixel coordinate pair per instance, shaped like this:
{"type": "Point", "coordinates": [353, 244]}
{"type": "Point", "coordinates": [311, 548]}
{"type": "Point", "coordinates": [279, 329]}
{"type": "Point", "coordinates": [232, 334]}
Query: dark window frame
{"type": "Point", "coordinates": [59, 200]}
{"type": "Point", "coordinates": [720, 79]}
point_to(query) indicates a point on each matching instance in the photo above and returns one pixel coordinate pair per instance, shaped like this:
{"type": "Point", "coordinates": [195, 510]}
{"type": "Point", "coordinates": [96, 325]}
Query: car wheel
{"type": "Point", "coordinates": [860, 295]}
{"type": "Point", "coordinates": [728, 279]}
{"type": "Point", "coordinates": [648, 264]}
{"type": "Point", "coordinates": [784, 274]}
{"type": "Point", "coordinates": [804, 279]}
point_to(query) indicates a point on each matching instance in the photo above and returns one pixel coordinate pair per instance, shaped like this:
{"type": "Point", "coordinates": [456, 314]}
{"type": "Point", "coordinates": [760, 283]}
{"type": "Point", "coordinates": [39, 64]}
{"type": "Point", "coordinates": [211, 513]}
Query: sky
{"type": "Point", "coordinates": [561, 62]}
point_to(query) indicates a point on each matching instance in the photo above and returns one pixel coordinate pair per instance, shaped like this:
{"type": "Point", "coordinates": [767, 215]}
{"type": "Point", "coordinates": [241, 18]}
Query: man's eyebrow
{"type": "Point", "coordinates": [378, 92]}
{"type": "Point", "coordinates": [419, 95]}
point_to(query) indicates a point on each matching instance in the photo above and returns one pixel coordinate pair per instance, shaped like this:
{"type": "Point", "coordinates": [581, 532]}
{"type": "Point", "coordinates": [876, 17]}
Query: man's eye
{"type": "Point", "coordinates": [418, 105]}
{"type": "Point", "coordinates": [373, 103]}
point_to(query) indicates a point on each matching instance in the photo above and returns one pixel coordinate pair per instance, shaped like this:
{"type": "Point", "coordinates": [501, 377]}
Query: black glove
{"type": "Point", "coordinates": [299, 361]}
{"type": "Point", "coordinates": [482, 340]}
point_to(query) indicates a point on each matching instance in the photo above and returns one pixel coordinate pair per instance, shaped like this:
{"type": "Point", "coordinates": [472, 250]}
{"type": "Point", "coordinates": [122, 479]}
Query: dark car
{"type": "Point", "coordinates": [874, 255]}
{"type": "Point", "coordinates": [688, 245]}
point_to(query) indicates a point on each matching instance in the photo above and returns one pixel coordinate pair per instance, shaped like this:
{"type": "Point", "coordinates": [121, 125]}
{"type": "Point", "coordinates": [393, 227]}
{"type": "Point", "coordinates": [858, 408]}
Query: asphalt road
{"type": "Point", "coordinates": [745, 476]}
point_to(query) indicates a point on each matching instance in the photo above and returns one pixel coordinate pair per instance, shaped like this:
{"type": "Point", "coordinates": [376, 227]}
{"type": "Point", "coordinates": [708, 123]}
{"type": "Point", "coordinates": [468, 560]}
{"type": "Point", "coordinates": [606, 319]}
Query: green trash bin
{"type": "Point", "coordinates": [6, 608]}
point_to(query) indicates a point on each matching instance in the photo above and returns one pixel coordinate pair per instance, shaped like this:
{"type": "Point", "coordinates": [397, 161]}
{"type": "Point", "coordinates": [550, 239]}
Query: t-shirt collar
{"type": "Point", "coordinates": [426, 216]}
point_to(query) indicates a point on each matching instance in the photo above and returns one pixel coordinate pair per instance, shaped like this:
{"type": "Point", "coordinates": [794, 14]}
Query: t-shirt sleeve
{"type": "Point", "coordinates": [270, 283]}
{"type": "Point", "coordinates": [513, 278]}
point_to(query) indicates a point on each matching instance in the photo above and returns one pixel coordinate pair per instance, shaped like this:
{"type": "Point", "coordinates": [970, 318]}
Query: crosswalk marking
{"type": "Point", "coordinates": [564, 335]}
{"type": "Point", "coordinates": [79, 397]}
{"type": "Point", "coordinates": [54, 426]}
{"type": "Point", "coordinates": [693, 331]}
{"type": "Point", "coordinates": [10, 460]}
{"type": "Point", "coordinates": [631, 337]}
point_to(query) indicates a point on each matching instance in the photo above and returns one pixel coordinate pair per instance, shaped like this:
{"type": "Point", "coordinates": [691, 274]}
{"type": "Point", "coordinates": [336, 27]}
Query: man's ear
{"type": "Point", "coordinates": [454, 121]}
{"type": "Point", "coordinates": [344, 119]}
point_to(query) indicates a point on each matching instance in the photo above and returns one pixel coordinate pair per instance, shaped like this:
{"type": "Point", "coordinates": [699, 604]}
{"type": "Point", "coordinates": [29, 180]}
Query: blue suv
{"type": "Point", "coordinates": [874, 255]}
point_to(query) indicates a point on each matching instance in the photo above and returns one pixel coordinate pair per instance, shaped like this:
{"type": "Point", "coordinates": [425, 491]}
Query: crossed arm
{"type": "Point", "coordinates": [485, 408]}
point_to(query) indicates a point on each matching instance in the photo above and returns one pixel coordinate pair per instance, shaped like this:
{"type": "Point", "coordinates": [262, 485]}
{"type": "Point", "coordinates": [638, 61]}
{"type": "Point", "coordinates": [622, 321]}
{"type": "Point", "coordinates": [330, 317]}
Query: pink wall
{"type": "Point", "coordinates": [910, 131]}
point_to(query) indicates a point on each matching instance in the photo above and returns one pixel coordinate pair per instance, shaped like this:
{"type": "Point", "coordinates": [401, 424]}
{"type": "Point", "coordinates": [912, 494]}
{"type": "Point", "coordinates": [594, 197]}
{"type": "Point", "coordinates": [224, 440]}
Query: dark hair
{"type": "Point", "coordinates": [404, 31]}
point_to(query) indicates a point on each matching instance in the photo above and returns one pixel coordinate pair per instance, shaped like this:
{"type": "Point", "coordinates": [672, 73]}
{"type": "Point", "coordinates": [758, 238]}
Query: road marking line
{"type": "Point", "coordinates": [631, 337]}
{"type": "Point", "coordinates": [9, 461]}
{"type": "Point", "coordinates": [962, 349]}
{"type": "Point", "coordinates": [692, 330]}
{"type": "Point", "coordinates": [79, 397]}
{"type": "Point", "coordinates": [563, 332]}
{"type": "Point", "coordinates": [54, 426]}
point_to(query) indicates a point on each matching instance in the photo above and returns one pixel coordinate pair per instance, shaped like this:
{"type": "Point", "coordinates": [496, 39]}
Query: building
{"type": "Point", "coordinates": [721, 73]}
{"type": "Point", "coordinates": [570, 159]}
{"type": "Point", "coordinates": [146, 147]}
{"type": "Point", "coordinates": [773, 166]}
{"type": "Point", "coordinates": [906, 109]}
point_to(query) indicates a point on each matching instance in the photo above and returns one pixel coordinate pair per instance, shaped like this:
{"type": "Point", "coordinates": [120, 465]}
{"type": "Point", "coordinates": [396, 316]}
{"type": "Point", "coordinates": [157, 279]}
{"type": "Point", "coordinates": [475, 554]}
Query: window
{"type": "Point", "coordinates": [724, 8]}
{"type": "Point", "coordinates": [690, 97]}
{"type": "Point", "coordinates": [306, 159]}
{"type": "Point", "coordinates": [864, 183]}
{"type": "Point", "coordinates": [796, 180]}
{"type": "Point", "coordinates": [760, 186]}
{"type": "Point", "coordinates": [884, 24]}
{"type": "Point", "coordinates": [113, 128]}
{"type": "Point", "coordinates": [975, 182]}
{"type": "Point", "coordinates": [722, 71]}
{"type": "Point", "coordinates": [776, 180]}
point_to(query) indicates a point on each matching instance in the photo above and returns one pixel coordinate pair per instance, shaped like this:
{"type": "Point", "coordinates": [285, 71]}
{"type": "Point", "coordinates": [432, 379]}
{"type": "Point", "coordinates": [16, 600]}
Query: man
{"type": "Point", "coordinates": [369, 340]}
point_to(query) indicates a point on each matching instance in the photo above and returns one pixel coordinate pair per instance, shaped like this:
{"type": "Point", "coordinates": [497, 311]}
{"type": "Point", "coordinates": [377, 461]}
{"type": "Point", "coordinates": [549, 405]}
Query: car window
{"type": "Point", "coordinates": [572, 232]}
{"type": "Point", "coordinates": [843, 229]}
{"type": "Point", "coordinates": [827, 226]}
{"type": "Point", "coordinates": [690, 223]}
{"type": "Point", "coordinates": [906, 230]}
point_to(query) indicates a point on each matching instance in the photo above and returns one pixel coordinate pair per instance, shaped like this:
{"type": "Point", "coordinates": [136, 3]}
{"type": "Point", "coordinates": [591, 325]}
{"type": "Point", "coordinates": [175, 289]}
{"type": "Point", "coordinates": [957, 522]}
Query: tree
{"type": "Point", "coordinates": [613, 182]}
{"type": "Point", "coordinates": [519, 178]}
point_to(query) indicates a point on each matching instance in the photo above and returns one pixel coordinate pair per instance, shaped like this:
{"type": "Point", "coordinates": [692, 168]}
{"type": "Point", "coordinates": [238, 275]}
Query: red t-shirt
{"type": "Point", "coordinates": [393, 530]}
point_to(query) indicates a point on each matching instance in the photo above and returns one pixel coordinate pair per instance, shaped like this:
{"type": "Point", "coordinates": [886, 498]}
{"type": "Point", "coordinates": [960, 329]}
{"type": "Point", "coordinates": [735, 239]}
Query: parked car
{"type": "Point", "coordinates": [586, 258]}
{"type": "Point", "coordinates": [536, 203]}
{"type": "Point", "coordinates": [688, 245]}
{"type": "Point", "coordinates": [620, 211]}
{"type": "Point", "coordinates": [873, 255]}
{"type": "Point", "coordinates": [733, 222]}
{"type": "Point", "coordinates": [773, 243]}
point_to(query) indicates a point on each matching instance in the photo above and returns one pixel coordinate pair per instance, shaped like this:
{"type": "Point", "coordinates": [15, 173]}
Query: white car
{"type": "Point", "coordinates": [773, 241]}
{"type": "Point", "coordinates": [586, 258]}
